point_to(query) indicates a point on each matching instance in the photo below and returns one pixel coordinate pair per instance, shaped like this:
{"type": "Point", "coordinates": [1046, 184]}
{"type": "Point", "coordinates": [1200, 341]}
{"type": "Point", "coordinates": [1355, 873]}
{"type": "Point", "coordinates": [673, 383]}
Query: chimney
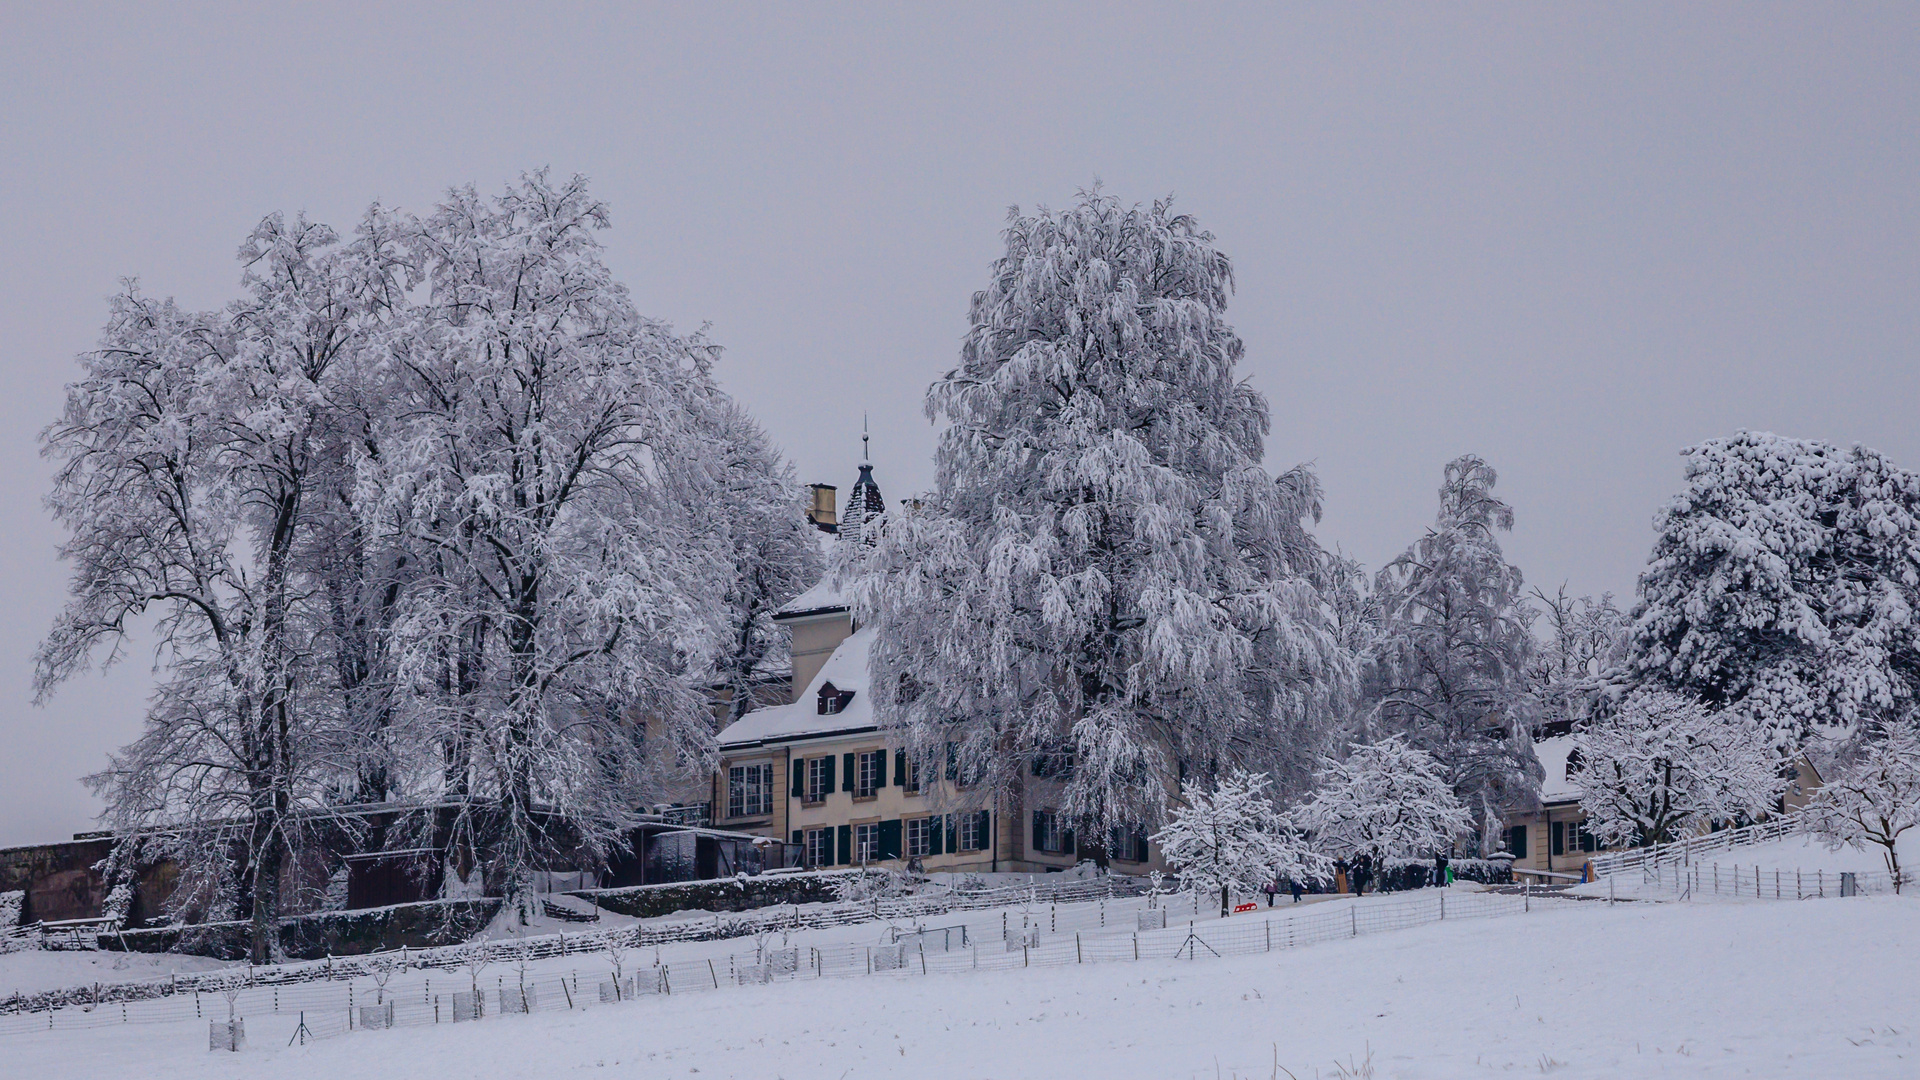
{"type": "Point", "coordinates": [822, 514]}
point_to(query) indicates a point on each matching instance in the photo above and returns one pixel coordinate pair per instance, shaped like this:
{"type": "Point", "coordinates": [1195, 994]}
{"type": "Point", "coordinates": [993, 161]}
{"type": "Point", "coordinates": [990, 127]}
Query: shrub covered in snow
{"type": "Point", "coordinates": [1232, 836]}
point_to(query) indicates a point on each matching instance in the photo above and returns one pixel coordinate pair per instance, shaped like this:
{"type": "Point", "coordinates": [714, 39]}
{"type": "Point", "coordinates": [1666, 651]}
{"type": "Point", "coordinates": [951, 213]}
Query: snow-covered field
{"type": "Point", "coordinates": [1810, 989]}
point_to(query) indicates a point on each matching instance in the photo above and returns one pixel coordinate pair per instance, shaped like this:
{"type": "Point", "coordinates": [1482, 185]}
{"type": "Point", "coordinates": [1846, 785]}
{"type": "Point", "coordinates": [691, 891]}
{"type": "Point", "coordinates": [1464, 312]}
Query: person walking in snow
{"type": "Point", "coordinates": [1440, 870]}
{"type": "Point", "coordinates": [1269, 888]}
{"type": "Point", "coordinates": [1296, 890]}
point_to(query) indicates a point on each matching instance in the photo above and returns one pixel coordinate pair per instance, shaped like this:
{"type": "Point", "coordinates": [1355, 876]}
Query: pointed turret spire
{"type": "Point", "coordinates": [864, 502]}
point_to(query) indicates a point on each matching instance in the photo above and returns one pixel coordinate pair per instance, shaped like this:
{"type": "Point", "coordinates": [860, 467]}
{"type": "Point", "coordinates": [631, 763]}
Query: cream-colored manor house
{"type": "Point", "coordinates": [819, 773]}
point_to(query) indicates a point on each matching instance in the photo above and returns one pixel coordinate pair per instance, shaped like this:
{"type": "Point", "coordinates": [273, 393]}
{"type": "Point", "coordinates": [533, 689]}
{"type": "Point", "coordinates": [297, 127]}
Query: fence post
{"type": "Point", "coordinates": [1269, 925]}
{"type": "Point", "coordinates": [1136, 956]}
{"type": "Point", "coordinates": [1353, 919]}
{"type": "Point", "coordinates": [1076, 947]}
{"type": "Point", "coordinates": [1443, 905]}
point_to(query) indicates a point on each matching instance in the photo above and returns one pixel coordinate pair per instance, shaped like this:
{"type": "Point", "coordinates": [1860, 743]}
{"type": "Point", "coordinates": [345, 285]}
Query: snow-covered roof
{"type": "Point", "coordinates": [823, 597]}
{"type": "Point", "coordinates": [846, 669]}
{"type": "Point", "coordinates": [1552, 752]}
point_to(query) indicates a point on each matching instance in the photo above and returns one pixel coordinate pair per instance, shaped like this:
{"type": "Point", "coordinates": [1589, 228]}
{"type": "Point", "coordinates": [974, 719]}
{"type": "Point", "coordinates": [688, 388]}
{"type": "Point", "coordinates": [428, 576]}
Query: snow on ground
{"type": "Point", "coordinates": [1804, 852]}
{"type": "Point", "coordinates": [1809, 989]}
{"type": "Point", "coordinates": [31, 971]}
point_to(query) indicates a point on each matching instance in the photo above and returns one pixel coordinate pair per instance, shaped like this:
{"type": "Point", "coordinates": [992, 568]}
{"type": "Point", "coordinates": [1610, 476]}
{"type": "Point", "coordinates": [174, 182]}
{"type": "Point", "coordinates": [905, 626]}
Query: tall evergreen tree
{"type": "Point", "coordinates": [1105, 573]}
{"type": "Point", "coordinates": [1448, 669]}
{"type": "Point", "coordinates": [1784, 581]}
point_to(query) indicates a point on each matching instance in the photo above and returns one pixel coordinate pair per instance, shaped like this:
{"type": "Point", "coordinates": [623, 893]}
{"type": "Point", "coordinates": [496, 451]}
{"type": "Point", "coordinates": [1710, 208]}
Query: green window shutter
{"type": "Point", "coordinates": [845, 847]}
{"type": "Point", "coordinates": [799, 778]}
{"type": "Point", "coordinates": [899, 768]}
{"type": "Point", "coordinates": [890, 839]}
{"type": "Point", "coordinates": [953, 836]}
{"type": "Point", "coordinates": [1039, 833]}
{"type": "Point", "coordinates": [1559, 831]}
{"type": "Point", "coordinates": [826, 779]}
{"type": "Point", "coordinates": [798, 836]}
{"type": "Point", "coordinates": [1066, 842]}
{"type": "Point", "coordinates": [846, 782]}
{"type": "Point", "coordinates": [936, 843]}
{"type": "Point", "coordinates": [986, 830]}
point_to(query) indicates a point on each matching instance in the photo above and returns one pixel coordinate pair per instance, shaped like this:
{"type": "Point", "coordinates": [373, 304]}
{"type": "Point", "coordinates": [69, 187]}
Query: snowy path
{"type": "Point", "coordinates": [1814, 989]}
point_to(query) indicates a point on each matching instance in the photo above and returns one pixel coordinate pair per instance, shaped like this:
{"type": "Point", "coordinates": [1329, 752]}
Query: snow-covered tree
{"type": "Point", "coordinates": [1233, 835]}
{"type": "Point", "coordinates": [1448, 668]}
{"type": "Point", "coordinates": [187, 461]}
{"type": "Point", "coordinates": [751, 506]}
{"type": "Point", "coordinates": [560, 581]}
{"type": "Point", "coordinates": [1876, 801]}
{"type": "Point", "coordinates": [1585, 640]}
{"type": "Point", "coordinates": [1784, 580]}
{"type": "Point", "coordinates": [1660, 765]}
{"type": "Point", "coordinates": [1386, 799]}
{"type": "Point", "coordinates": [1104, 574]}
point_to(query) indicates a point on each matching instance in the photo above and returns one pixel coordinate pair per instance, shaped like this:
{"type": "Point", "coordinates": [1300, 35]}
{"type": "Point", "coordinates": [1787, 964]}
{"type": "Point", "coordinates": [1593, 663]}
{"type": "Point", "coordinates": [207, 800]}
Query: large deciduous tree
{"type": "Point", "coordinates": [188, 461]}
{"type": "Point", "coordinates": [1784, 581]}
{"type": "Point", "coordinates": [1104, 572]}
{"type": "Point", "coordinates": [1448, 667]}
{"type": "Point", "coordinates": [559, 576]}
{"type": "Point", "coordinates": [1659, 765]}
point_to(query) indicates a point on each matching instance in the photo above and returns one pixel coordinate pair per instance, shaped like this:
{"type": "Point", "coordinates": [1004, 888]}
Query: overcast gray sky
{"type": "Point", "coordinates": [1573, 240]}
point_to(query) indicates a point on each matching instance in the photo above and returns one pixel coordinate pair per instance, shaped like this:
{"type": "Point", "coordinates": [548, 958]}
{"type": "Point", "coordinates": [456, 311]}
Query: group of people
{"type": "Point", "coordinates": [1354, 876]}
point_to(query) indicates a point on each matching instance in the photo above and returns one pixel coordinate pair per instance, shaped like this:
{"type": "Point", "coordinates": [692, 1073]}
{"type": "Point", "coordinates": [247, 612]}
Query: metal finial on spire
{"type": "Point", "coordinates": [863, 438]}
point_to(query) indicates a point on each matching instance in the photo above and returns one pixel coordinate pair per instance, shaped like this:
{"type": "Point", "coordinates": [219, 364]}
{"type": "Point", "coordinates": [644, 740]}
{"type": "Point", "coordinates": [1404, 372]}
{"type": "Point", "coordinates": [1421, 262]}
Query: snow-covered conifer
{"type": "Point", "coordinates": [1233, 835]}
{"type": "Point", "coordinates": [1386, 799]}
{"type": "Point", "coordinates": [1448, 668]}
{"type": "Point", "coordinates": [1104, 574]}
{"type": "Point", "coordinates": [1784, 580]}
{"type": "Point", "coordinates": [1875, 801]}
{"type": "Point", "coordinates": [1660, 765]}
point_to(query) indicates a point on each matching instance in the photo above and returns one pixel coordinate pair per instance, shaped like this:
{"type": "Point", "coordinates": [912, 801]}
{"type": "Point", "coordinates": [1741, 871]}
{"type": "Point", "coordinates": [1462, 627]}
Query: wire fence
{"type": "Point", "coordinates": [1703, 880]}
{"type": "Point", "coordinates": [723, 925]}
{"type": "Point", "coordinates": [491, 989]}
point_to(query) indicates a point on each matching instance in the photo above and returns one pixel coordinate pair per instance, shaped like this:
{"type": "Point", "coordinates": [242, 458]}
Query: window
{"type": "Point", "coordinates": [872, 773]}
{"type": "Point", "coordinates": [819, 779]}
{"type": "Point", "coordinates": [1047, 834]}
{"type": "Point", "coordinates": [920, 835]}
{"type": "Point", "coordinates": [1587, 841]}
{"type": "Point", "coordinates": [819, 847]}
{"type": "Point", "coordinates": [832, 700]}
{"type": "Point", "coordinates": [866, 843]}
{"type": "Point", "coordinates": [907, 771]}
{"type": "Point", "coordinates": [955, 774]}
{"type": "Point", "coordinates": [1517, 841]}
{"type": "Point", "coordinates": [974, 829]}
{"type": "Point", "coordinates": [750, 790]}
{"type": "Point", "coordinates": [1129, 845]}
{"type": "Point", "coordinates": [1053, 766]}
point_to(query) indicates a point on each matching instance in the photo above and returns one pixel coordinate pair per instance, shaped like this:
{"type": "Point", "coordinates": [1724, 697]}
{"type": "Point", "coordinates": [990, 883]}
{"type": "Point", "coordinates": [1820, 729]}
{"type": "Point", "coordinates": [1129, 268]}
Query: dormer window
{"type": "Point", "coordinates": [833, 700]}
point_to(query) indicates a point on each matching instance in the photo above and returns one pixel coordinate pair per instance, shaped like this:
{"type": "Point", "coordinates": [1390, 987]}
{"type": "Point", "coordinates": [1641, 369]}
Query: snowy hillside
{"type": "Point", "coordinates": [1581, 990]}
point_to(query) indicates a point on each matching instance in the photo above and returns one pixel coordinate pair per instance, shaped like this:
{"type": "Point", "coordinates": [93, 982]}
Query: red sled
{"type": "Point", "coordinates": [1238, 908]}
